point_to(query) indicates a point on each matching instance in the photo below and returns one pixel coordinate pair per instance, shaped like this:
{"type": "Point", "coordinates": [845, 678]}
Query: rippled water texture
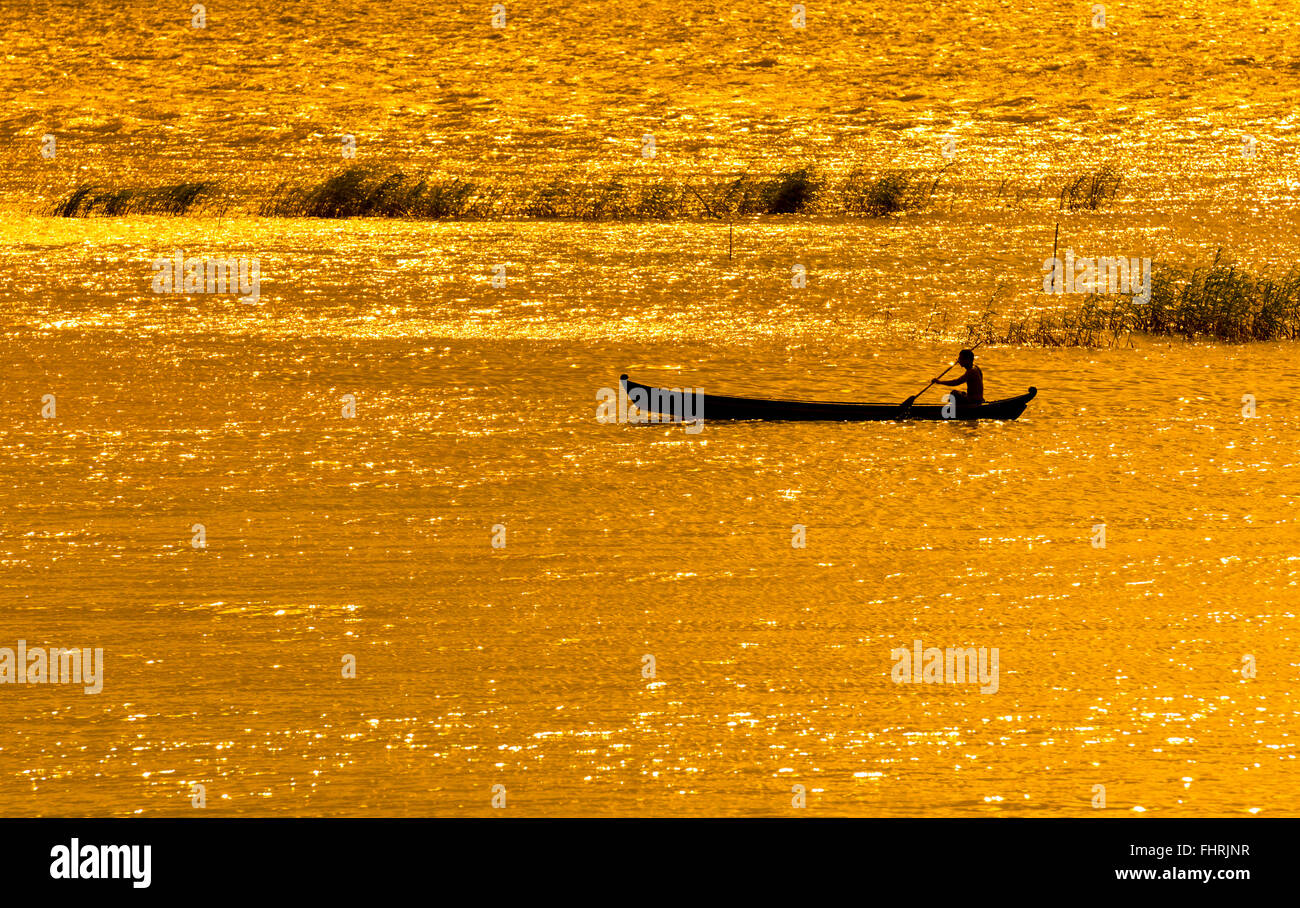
{"type": "Point", "coordinates": [526, 666]}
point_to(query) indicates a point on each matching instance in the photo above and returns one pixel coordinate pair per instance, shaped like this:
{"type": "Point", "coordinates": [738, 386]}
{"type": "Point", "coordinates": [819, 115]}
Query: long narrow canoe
{"type": "Point", "coordinates": [669, 405]}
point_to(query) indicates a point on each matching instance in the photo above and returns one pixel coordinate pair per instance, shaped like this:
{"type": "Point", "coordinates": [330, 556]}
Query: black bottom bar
{"type": "Point", "coordinates": [630, 859]}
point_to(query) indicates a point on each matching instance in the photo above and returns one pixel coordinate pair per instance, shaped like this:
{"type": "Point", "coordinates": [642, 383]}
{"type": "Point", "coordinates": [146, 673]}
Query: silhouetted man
{"type": "Point", "coordinates": [972, 378]}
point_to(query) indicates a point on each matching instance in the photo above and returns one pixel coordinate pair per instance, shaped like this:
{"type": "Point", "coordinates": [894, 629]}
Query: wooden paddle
{"type": "Point", "coordinates": [907, 404]}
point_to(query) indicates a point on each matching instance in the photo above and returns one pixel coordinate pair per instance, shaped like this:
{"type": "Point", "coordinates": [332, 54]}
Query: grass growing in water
{"type": "Point", "coordinates": [375, 191]}
{"type": "Point", "coordinates": [1091, 189]}
{"type": "Point", "coordinates": [382, 191]}
{"type": "Point", "coordinates": [782, 193]}
{"type": "Point", "coordinates": [379, 191]}
{"type": "Point", "coordinates": [615, 199]}
{"type": "Point", "coordinates": [368, 191]}
{"type": "Point", "coordinates": [1093, 324]}
{"type": "Point", "coordinates": [893, 192]}
{"type": "Point", "coordinates": [360, 192]}
{"type": "Point", "coordinates": [1221, 301]}
{"type": "Point", "coordinates": [177, 199]}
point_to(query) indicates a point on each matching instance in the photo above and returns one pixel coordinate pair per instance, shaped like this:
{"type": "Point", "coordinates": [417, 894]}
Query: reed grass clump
{"type": "Point", "coordinates": [1221, 301]}
{"type": "Point", "coordinates": [371, 191]}
{"type": "Point", "coordinates": [375, 191]}
{"type": "Point", "coordinates": [1094, 323]}
{"type": "Point", "coordinates": [1091, 189]}
{"type": "Point", "coordinates": [177, 199]}
{"type": "Point", "coordinates": [383, 191]}
{"type": "Point", "coordinates": [616, 199]}
{"type": "Point", "coordinates": [784, 193]}
{"type": "Point", "coordinates": [875, 196]}
{"type": "Point", "coordinates": [378, 192]}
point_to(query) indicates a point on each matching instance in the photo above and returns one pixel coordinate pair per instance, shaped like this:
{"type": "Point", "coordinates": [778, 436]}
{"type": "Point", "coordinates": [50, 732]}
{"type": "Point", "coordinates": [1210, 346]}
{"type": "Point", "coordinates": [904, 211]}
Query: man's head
{"type": "Point", "coordinates": [966, 358]}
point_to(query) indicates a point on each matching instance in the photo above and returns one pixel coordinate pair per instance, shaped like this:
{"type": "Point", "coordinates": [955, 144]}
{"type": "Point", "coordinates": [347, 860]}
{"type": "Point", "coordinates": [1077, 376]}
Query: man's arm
{"type": "Point", "coordinates": [960, 380]}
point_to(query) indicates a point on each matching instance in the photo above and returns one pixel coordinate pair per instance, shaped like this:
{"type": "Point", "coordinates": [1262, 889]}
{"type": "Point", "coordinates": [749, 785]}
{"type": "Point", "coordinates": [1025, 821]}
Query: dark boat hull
{"type": "Point", "coordinates": [668, 404]}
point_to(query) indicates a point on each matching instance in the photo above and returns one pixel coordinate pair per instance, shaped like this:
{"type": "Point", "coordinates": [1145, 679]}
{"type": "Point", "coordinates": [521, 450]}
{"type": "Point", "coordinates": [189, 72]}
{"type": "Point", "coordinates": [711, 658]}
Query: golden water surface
{"type": "Point", "coordinates": [525, 666]}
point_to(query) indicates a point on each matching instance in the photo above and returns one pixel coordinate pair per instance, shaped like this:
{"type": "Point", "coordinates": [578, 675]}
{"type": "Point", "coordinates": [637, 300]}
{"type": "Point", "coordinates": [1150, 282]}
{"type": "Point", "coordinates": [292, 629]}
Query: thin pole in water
{"type": "Point", "coordinates": [1054, 239]}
